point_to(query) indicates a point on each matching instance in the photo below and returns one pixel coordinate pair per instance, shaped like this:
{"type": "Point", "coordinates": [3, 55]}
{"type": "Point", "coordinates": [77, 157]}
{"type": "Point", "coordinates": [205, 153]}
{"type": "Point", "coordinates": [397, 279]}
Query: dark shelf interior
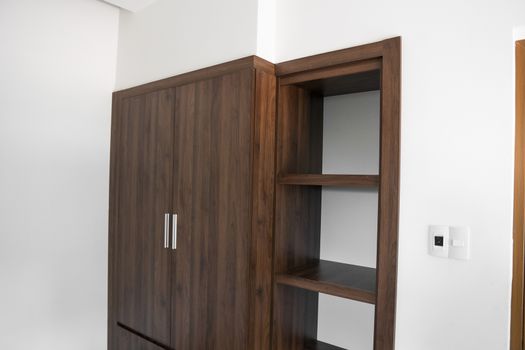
{"type": "Point", "coordinates": [365, 181]}
{"type": "Point", "coordinates": [359, 76]}
{"type": "Point", "coordinates": [319, 345]}
{"type": "Point", "coordinates": [360, 82]}
{"type": "Point", "coordinates": [338, 279]}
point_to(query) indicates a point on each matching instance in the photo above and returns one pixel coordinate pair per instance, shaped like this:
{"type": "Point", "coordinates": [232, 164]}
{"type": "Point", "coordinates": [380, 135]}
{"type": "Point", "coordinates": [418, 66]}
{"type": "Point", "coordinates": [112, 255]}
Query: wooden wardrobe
{"type": "Point", "coordinates": [215, 204]}
{"type": "Point", "coordinates": [191, 210]}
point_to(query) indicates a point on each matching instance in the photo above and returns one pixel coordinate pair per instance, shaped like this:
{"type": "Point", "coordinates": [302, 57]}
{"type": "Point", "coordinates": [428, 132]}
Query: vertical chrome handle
{"type": "Point", "coordinates": [166, 230]}
{"type": "Point", "coordinates": [174, 233]}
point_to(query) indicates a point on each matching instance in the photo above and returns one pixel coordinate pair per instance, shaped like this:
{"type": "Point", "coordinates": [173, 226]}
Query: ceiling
{"type": "Point", "coordinates": [131, 5]}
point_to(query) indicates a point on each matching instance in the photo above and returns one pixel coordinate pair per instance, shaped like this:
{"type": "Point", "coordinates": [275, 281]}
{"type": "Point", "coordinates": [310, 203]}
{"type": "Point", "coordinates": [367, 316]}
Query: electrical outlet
{"type": "Point", "coordinates": [459, 242]}
{"type": "Point", "coordinates": [438, 239]}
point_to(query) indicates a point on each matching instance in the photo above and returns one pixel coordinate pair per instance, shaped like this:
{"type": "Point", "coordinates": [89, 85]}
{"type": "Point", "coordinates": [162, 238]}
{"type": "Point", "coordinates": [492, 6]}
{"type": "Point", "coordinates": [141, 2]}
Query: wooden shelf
{"type": "Point", "coordinates": [342, 280]}
{"type": "Point", "coordinates": [360, 181]}
{"type": "Point", "coordinates": [319, 345]}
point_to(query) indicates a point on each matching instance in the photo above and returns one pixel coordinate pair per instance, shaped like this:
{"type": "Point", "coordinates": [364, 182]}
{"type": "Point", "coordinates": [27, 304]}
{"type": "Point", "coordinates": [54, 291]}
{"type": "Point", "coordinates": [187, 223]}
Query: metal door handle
{"type": "Point", "coordinates": [174, 233]}
{"type": "Point", "coordinates": [166, 230]}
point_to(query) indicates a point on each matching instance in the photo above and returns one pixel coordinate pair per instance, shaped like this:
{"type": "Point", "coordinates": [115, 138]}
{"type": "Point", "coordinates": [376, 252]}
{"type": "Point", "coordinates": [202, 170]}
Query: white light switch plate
{"type": "Point", "coordinates": [459, 242]}
{"type": "Point", "coordinates": [438, 240]}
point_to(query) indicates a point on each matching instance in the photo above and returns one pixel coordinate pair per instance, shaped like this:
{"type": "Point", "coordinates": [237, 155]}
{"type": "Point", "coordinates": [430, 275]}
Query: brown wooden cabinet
{"type": "Point", "coordinates": [200, 165]}
{"type": "Point", "coordinates": [191, 210]}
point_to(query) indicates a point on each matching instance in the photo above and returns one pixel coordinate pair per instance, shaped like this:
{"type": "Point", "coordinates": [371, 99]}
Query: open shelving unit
{"type": "Point", "coordinates": [299, 272]}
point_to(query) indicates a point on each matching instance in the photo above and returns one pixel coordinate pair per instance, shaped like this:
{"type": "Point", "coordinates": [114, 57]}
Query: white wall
{"type": "Point", "coordinates": [57, 71]}
{"type": "Point", "coordinates": [349, 216]}
{"type": "Point", "coordinates": [175, 36]}
{"type": "Point", "coordinates": [266, 29]}
{"type": "Point", "coordinates": [456, 153]}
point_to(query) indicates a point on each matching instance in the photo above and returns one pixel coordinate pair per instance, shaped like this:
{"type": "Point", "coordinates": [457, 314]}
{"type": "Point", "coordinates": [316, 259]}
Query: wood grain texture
{"type": "Point", "coordinates": [112, 224]}
{"type": "Point", "coordinates": [127, 339]}
{"type": "Point", "coordinates": [250, 62]}
{"type": "Point", "coordinates": [333, 58]}
{"type": "Point", "coordinates": [517, 311]}
{"type": "Point", "coordinates": [142, 340]}
{"type": "Point", "coordinates": [221, 170]}
{"type": "Point", "coordinates": [263, 190]}
{"type": "Point", "coordinates": [185, 108]}
{"type": "Point", "coordinates": [342, 280]}
{"type": "Point", "coordinates": [142, 291]}
{"type": "Point", "coordinates": [295, 317]}
{"type": "Point", "coordinates": [388, 216]}
{"type": "Point", "coordinates": [355, 181]}
{"type": "Point", "coordinates": [224, 199]}
{"type": "Point", "coordinates": [297, 215]}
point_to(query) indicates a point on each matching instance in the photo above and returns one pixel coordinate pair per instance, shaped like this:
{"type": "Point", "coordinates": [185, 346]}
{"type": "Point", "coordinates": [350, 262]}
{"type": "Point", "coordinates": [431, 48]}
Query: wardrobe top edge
{"type": "Point", "coordinates": [253, 61]}
{"type": "Point", "coordinates": [333, 58]}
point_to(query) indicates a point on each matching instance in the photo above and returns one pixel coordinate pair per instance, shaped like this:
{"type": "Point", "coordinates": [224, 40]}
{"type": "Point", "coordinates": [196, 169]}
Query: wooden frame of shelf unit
{"type": "Point", "coordinates": [517, 323]}
{"type": "Point", "coordinates": [299, 274]}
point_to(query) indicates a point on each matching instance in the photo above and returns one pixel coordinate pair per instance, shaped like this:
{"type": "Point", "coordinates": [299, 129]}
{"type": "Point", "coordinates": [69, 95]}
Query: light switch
{"type": "Point", "coordinates": [459, 242]}
{"type": "Point", "coordinates": [438, 240]}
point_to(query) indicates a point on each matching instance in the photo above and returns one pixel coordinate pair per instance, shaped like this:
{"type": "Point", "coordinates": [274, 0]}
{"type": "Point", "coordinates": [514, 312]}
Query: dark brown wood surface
{"type": "Point", "coordinates": [342, 280]}
{"type": "Point", "coordinates": [126, 338]}
{"type": "Point", "coordinates": [517, 313]}
{"type": "Point", "coordinates": [297, 215]}
{"type": "Point", "coordinates": [263, 190]}
{"type": "Point", "coordinates": [141, 299]}
{"type": "Point", "coordinates": [137, 340]}
{"type": "Point", "coordinates": [356, 181]}
{"type": "Point", "coordinates": [295, 317]}
{"type": "Point", "coordinates": [333, 58]}
{"type": "Point", "coordinates": [300, 131]}
{"type": "Point", "coordinates": [388, 216]}
{"type": "Point", "coordinates": [249, 62]}
{"type": "Point", "coordinates": [113, 331]}
{"type": "Point", "coordinates": [184, 152]}
{"type": "Point", "coordinates": [221, 169]}
{"type": "Point", "coordinates": [213, 198]}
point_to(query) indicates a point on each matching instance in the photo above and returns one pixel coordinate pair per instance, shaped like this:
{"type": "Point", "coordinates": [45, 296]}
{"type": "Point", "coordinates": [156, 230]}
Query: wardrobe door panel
{"type": "Point", "coordinates": [212, 196]}
{"type": "Point", "coordinates": [144, 176]}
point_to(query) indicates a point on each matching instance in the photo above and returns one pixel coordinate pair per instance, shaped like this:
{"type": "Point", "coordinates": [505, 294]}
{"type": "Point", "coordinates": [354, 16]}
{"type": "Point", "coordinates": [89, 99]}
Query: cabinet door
{"type": "Point", "coordinates": [144, 185]}
{"type": "Point", "coordinates": [212, 197]}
